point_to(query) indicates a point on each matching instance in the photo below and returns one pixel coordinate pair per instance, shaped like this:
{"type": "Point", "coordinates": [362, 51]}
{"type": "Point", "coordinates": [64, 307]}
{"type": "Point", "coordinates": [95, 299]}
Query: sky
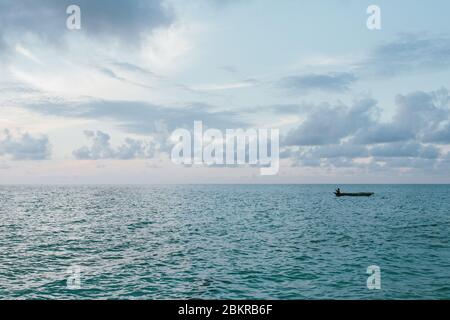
{"type": "Point", "coordinates": [97, 105]}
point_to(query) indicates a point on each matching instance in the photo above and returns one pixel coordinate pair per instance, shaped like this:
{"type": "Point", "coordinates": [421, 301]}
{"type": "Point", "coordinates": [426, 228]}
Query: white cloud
{"type": "Point", "coordinates": [24, 146]}
{"type": "Point", "coordinates": [165, 49]}
{"type": "Point", "coordinates": [27, 53]}
{"type": "Point", "coordinates": [101, 148]}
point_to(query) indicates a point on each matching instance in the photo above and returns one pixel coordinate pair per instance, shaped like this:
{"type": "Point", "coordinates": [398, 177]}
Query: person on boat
{"type": "Point", "coordinates": [338, 191]}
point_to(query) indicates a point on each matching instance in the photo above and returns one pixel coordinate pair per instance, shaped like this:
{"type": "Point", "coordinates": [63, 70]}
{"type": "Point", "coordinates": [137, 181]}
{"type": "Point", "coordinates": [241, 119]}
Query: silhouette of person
{"type": "Point", "coordinates": [338, 190]}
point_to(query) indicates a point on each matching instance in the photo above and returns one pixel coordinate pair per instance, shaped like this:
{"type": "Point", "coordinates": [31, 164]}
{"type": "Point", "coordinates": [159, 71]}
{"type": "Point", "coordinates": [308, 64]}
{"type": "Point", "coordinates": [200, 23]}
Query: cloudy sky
{"type": "Point", "coordinates": [97, 105]}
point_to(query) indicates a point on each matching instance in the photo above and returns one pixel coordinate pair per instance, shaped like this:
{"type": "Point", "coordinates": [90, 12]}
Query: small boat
{"type": "Point", "coordinates": [355, 194]}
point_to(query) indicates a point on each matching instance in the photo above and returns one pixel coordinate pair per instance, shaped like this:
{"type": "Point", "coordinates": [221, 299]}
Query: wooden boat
{"type": "Point", "coordinates": [355, 194]}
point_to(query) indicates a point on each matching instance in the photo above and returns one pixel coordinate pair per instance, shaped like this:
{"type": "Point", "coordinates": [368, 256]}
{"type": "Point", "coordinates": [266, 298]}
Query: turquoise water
{"type": "Point", "coordinates": [235, 241]}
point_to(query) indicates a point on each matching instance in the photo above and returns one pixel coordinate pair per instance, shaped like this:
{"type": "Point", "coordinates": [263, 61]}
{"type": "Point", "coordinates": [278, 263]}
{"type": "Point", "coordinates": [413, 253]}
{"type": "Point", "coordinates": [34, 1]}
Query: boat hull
{"type": "Point", "coordinates": [356, 194]}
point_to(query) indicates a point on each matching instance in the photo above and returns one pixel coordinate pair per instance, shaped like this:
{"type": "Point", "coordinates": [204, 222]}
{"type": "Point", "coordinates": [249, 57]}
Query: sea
{"type": "Point", "coordinates": [224, 242]}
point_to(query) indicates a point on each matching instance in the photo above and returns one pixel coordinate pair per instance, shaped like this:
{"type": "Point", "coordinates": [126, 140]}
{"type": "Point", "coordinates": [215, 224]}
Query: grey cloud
{"type": "Point", "coordinates": [343, 155]}
{"type": "Point", "coordinates": [109, 73]}
{"type": "Point", "coordinates": [134, 68]}
{"type": "Point", "coordinates": [101, 148]}
{"type": "Point", "coordinates": [328, 125]}
{"type": "Point", "coordinates": [303, 157]}
{"type": "Point", "coordinates": [383, 133]}
{"type": "Point", "coordinates": [346, 150]}
{"type": "Point", "coordinates": [123, 20]}
{"type": "Point", "coordinates": [421, 110]}
{"type": "Point", "coordinates": [440, 135]}
{"type": "Point", "coordinates": [4, 166]}
{"type": "Point", "coordinates": [286, 109]}
{"type": "Point", "coordinates": [342, 162]}
{"type": "Point", "coordinates": [290, 108]}
{"type": "Point", "coordinates": [332, 82]}
{"type": "Point", "coordinates": [113, 75]}
{"type": "Point", "coordinates": [335, 135]}
{"type": "Point", "coordinates": [409, 149]}
{"type": "Point", "coordinates": [409, 53]}
{"type": "Point", "coordinates": [12, 87]}
{"type": "Point", "coordinates": [281, 109]}
{"type": "Point", "coordinates": [338, 155]}
{"type": "Point", "coordinates": [139, 117]}
{"type": "Point", "coordinates": [421, 164]}
{"type": "Point", "coordinates": [24, 146]}
{"type": "Point", "coordinates": [309, 158]}
{"type": "Point", "coordinates": [229, 69]}
{"type": "Point", "coordinates": [419, 116]}
{"type": "Point", "coordinates": [309, 162]}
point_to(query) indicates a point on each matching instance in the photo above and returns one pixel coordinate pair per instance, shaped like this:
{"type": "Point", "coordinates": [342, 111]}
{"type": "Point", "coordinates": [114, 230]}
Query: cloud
{"type": "Point", "coordinates": [279, 109]}
{"type": "Point", "coordinates": [102, 149]}
{"type": "Point", "coordinates": [383, 133]}
{"type": "Point", "coordinates": [229, 69]}
{"type": "Point", "coordinates": [408, 53]}
{"type": "Point", "coordinates": [125, 21]}
{"type": "Point", "coordinates": [331, 82]}
{"type": "Point", "coordinates": [440, 135]}
{"type": "Point", "coordinates": [113, 75]}
{"type": "Point", "coordinates": [328, 124]}
{"type": "Point", "coordinates": [419, 116]}
{"type": "Point", "coordinates": [385, 156]}
{"type": "Point", "coordinates": [338, 155]}
{"type": "Point", "coordinates": [282, 109]}
{"type": "Point", "coordinates": [346, 150]}
{"type": "Point", "coordinates": [24, 146]}
{"type": "Point", "coordinates": [328, 156]}
{"type": "Point", "coordinates": [130, 67]}
{"type": "Point", "coordinates": [336, 136]}
{"type": "Point", "coordinates": [411, 164]}
{"type": "Point", "coordinates": [16, 88]}
{"type": "Point", "coordinates": [141, 117]}
{"type": "Point", "coordinates": [287, 109]}
{"type": "Point", "coordinates": [4, 166]}
{"type": "Point", "coordinates": [226, 86]}
{"type": "Point", "coordinates": [409, 149]}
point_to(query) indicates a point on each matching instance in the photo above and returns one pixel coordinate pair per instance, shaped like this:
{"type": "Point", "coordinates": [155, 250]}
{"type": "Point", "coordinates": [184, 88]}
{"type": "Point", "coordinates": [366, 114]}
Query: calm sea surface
{"type": "Point", "coordinates": [232, 241]}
